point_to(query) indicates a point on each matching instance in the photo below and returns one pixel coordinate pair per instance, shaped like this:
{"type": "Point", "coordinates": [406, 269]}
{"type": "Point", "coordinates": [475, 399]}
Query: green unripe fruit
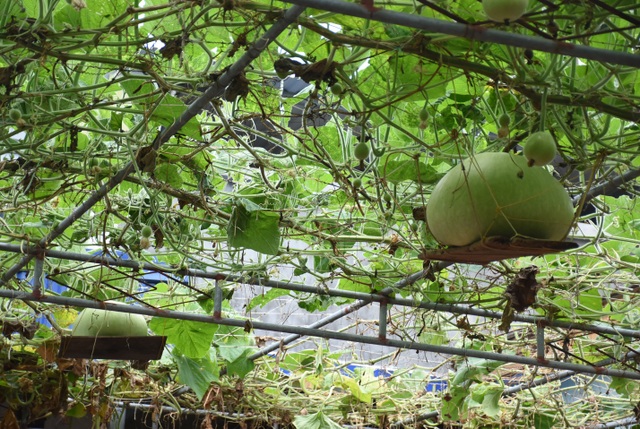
{"type": "Point", "coordinates": [504, 10]}
{"type": "Point", "coordinates": [92, 322]}
{"type": "Point", "coordinates": [540, 148]}
{"type": "Point", "coordinates": [504, 120]}
{"type": "Point", "coordinates": [424, 115]}
{"type": "Point", "coordinates": [337, 89]}
{"type": "Point", "coordinates": [357, 183]}
{"type": "Point", "coordinates": [15, 114]}
{"type": "Point", "coordinates": [497, 194]}
{"type": "Point", "coordinates": [146, 231]}
{"type": "Point", "coordinates": [361, 151]}
{"type": "Point", "coordinates": [387, 197]}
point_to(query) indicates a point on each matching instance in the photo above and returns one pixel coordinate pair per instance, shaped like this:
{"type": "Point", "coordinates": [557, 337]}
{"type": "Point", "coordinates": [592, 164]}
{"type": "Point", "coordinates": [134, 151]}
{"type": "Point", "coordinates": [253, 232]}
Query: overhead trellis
{"type": "Point", "coordinates": [182, 117]}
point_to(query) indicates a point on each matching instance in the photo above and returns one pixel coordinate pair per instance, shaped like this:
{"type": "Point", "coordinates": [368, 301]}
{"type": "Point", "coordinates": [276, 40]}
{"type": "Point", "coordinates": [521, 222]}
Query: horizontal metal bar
{"type": "Point", "coordinates": [225, 416]}
{"type": "Point", "coordinates": [365, 299]}
{"type": "Point", "coordinates": [614, 183]}
{"type": "Point", "coordinates": [561, 375]}
{"type": "Point", "coordinates": [473, 32]}
{"type": "Point", "coordinates": [313, 332]}
{"type": "Point", "coordinates": [622, 423]}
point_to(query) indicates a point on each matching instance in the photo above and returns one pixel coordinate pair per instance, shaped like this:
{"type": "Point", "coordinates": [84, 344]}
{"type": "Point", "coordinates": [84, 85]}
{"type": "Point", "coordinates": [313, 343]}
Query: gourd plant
{"type": "Point", "coordinates": [176, 155]}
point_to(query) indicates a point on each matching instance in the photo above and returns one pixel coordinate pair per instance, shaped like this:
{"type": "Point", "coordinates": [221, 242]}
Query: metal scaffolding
{"type": "Point", "coordinates": [384, 298]}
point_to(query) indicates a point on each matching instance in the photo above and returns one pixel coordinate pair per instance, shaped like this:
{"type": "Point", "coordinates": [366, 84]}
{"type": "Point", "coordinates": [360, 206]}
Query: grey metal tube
{"type": "Point", "coordinates": [473, 32]}
{"type": "Point", "coordinates": [515, 389]}
{"type": "Point", "coordinates": [627, 177]}
{"type": "Point", "coordinates": [308, 331]}
{"type": "Point", "coordinates": [382, 296]}
{"type": "Point", "coordinates": [338, 314]}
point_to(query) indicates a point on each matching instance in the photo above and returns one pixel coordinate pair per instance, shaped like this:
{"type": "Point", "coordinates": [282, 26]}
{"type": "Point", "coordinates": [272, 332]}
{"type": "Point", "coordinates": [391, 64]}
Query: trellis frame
{"type": "Point", "coordinates": [40, 252]}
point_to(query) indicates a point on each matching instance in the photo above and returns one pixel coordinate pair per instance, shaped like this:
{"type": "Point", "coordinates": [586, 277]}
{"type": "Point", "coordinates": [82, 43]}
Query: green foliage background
{"type": "Point", "coordinates": [96, 82]}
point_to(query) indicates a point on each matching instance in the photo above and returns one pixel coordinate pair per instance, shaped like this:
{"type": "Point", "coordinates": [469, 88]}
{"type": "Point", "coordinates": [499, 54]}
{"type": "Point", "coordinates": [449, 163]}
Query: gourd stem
{"type": "Point", "coordinates": [543, 108]}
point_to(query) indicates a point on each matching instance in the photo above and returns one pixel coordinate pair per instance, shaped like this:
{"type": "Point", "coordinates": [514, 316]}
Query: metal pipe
{"type": "Point", "coordinates": [515, 389]}
{"type": "Point", "coordinates": [346, 310]}
{"type": "Point", "coordinates": [38, 274]}
{"type": "Point", "coordinates": [620, 179]}
{"type": "Point", "coordinates": [227, 416]}
{"type": "Point", "coordinates": [374, 297]}
{"type": "Point", "coordinates": [412, 420]}
{"type": "Point", "coordinates": [564, 374]}
{"type": "Point", "coordinates": [540, 345]}
{"type": "Point", "coordinates": [215, 90]}
{"type": "Point", "coordinates": [473, 32]}
{"type": "Point", "coordinates": [313, 332]}
{"type": "Point", "coordinates": [382, 321]}
{"type": "Point", "coordinates": [622, 423]}
{"type": "Point", "coordinates": [217, 300]}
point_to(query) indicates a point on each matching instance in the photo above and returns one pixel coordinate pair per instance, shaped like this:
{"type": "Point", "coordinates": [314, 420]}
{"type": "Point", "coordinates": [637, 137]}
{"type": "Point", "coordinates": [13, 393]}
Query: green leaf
{"type": "Point", "coordinates": [315, 421]}
{"type": "Point", "coordinates": [624, 386]}
{"type": "Point", "coordinates": [434, 338]}
{"type": "Point", "coordinates": [453, 404]}
{"type": "Point", "coordinates": [354, 387]}
{"type": "Point", "coordinates": [254, 228]}
{"type": "Point", "coordinates": [168, 173]}
{"type": "Point", "coordinates": [408, 169]}
{"type": "Point", "coordinates": [474, 367]}
{"type": "Point", "coordinates": [171, 108]}
{"type": "Point", "coordinates": [197, 373]}
{"type": "Point", "coordinates": [359, 284]}
{"type": "Point", "coordinates": [237, 359]}
{"type": "Point", "coordinates": [413, 76]}
{"type": "Point", "coordinates": [397, 31]}
{"type": "Point", "coordinates": [436, 292]}
{"type": "Point", "coordinates": [299, 361]}
{"type": "Point", "coordinates": [137, 88]}
{"type": "Point", "coordinates": [68, 17]}
{"type": "Point", "coordinates": [587, 302]}
{"type": "Point", "coordinates": [542, 421]}
{"type": "Point", "coordinates": [487, 397]}
{"type": "Point", "coordinates": [317, 303]}
{"type": "Point", "coordinates": [77, 411]}
{"type": "Point", "coordinates": [265, 298]}
{"type": "Point", "coordinates": [192, 338]}
{"type": "Point", "coordinates": [164, 109]}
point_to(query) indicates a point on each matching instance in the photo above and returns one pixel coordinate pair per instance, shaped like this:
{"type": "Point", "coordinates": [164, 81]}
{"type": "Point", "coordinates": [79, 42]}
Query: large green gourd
{"type": "Point", "coordinates": [498, 194]}
{"type": "Point", "coordinates": [93, 322]}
